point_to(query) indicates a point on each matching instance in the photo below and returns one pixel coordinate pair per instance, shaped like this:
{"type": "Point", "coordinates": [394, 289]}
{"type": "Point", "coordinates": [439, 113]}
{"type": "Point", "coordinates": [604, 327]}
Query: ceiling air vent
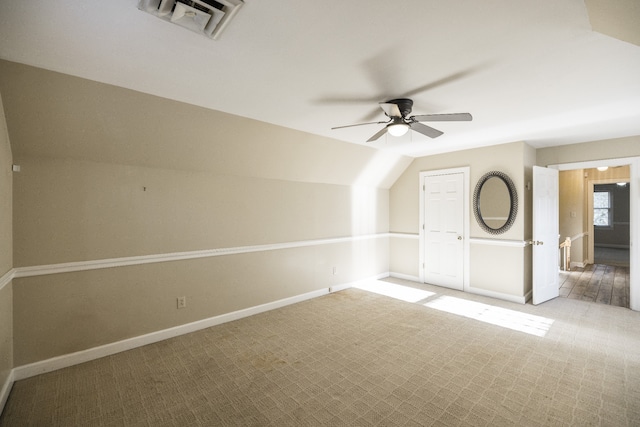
{"type": "Point", "coordinates": [208, 17]}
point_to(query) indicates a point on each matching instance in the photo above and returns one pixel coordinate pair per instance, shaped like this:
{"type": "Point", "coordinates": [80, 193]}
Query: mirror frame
{"type": "Point", "coordinates": [513, 195]}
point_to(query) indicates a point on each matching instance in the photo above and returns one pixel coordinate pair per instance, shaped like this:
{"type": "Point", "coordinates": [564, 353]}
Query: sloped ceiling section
{"type": "Point", "coordinates": [616, 18]}
{"type": "Point", "coordinates": [528, 70]}
{"type": "Point", "coordinates": [60, 116]}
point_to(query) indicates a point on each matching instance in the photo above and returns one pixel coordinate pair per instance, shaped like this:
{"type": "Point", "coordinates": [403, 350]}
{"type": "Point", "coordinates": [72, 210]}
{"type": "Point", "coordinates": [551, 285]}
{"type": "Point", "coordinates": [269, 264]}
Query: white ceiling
{"type": "Point", "coordinates": [529, 70]}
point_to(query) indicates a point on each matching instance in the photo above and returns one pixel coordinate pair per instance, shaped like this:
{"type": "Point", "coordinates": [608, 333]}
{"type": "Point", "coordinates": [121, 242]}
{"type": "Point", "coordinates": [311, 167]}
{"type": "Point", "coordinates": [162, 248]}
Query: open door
{"type": "Point", "coordinates": [545, 234]}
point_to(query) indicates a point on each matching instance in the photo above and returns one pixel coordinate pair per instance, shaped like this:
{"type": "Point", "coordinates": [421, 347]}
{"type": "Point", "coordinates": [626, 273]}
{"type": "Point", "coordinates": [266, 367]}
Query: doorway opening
{"type": "Point", "coordinates": [610, 224]}
{"type": "Point", "coordinates": [596, 214]}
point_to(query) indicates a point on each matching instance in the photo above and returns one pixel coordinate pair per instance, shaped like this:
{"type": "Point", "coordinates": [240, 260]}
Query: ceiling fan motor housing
{"type": "Point", "coordinates": [398, 111]}
{"type": "Point", "coordinates": [404, 105]}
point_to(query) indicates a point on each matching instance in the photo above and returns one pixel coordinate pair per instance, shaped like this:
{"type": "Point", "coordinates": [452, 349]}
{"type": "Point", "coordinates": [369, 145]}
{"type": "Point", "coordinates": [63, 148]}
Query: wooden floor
{"type": "Point", "coordinates": [600, 283]}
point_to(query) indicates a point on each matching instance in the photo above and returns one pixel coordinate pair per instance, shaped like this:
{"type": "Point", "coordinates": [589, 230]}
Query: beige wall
{"type": "Point", "coordinates": [572, 211]}
{"type": "Point", "coordinates": [69, 210]}
{"type": "Point", "coordinates": [587, 151]}
{"type": "Point", "coordinates": [6, 185]}
{"type": "Point", "coordinates": [110, 173]}
{"type": "Point", "coordinates": [6, 252]}
{"type": "Point", "coordinates": [615, 18]}
{"type": "Point", "coordinates": [62, 313]}
{"type": "Point", "coordinates": [485, 259]}
{"type": "Point", "coordinates": [404, 196]}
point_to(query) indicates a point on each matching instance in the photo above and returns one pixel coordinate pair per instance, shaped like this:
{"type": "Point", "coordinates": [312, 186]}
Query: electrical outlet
{"type": "Point", "coordinates": [182, 302]}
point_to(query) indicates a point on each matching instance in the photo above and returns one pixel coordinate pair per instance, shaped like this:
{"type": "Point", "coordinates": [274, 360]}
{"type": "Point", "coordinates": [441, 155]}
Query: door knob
{"type": "Point", "coordinates": [459, 237]}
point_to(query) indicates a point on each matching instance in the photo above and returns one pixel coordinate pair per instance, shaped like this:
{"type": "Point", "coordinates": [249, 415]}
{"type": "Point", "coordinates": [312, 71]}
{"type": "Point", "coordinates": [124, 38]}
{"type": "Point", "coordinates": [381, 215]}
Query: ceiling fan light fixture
{"type": "Point", "coordinates": [398, 129]}
{"type": "Point", "coordinates": [399, 123]}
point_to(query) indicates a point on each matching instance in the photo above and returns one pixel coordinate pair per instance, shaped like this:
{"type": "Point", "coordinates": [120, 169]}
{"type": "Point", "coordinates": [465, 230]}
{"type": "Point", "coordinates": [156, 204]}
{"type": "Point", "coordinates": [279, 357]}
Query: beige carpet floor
{"type": "Point", "coordinates": [421, 356]}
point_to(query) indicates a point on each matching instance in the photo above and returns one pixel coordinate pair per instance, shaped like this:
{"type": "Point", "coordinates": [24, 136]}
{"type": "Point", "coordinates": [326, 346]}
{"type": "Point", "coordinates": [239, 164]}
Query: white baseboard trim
{"type": "Point", "coordinates": [405, 277]}
{"type": "Point", "coordinates": [66, 360]}
{"type": "Point", "coordinates": [497, 295]}
{"type": "Point", "coordinates": [472, 290]}
{"type": "Point", "coordinates": [528, 296]}
{"type": "Point", "coordinates": [6, 389]}
{"type": "Point", "coordinates": [338, 288]}
{"type": "Point", "coordinates": [577, 264]}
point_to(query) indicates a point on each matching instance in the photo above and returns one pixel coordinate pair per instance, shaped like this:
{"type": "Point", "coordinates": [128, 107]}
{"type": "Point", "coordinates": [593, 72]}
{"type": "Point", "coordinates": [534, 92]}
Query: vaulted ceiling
{"type": "Point", "coordinates": [543, 71]}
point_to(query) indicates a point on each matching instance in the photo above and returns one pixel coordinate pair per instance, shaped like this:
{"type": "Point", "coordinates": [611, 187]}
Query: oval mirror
{"type": "Point", "coordinates": [495, 202]}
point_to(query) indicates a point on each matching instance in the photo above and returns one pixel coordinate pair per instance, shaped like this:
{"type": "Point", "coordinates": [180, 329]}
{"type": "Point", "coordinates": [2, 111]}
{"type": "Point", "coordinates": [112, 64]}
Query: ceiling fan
{"type": "Point", "coordinates": [398, 110]}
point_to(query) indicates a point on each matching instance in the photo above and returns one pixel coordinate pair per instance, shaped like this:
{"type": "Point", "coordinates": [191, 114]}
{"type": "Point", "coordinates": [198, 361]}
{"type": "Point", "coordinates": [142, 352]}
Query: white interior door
{"type": "Point", "coordinates": [545, 234]}
{"type": "Point", "coordinates": [444, 230]}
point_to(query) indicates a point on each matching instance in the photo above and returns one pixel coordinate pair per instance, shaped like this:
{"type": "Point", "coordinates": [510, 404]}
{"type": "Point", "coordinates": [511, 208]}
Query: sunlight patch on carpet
{"type": "Point", "coordinates": [511, 319]}
{"type": "Point", "coordinates": [403, 293]}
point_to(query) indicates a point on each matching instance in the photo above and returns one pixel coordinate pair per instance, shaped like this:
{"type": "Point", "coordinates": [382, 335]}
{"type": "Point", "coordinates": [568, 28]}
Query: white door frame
{"type": "Point", "coordinates": [465, 219]}
{"type": "Point", "coordinates": [634, 215]}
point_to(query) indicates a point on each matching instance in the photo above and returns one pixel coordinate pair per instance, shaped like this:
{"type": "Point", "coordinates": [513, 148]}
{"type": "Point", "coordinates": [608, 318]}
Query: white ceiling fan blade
{"type": "Point", "coordinates": [425, 130]}
{"type": "Point", "coordinates": [378, 134]}
{"type": "Point", "coordinates": [390, 109]}
{"type": "Point", "coordinates": [453, 117]}
{"type": "Point", "coordinates": [358, 124]}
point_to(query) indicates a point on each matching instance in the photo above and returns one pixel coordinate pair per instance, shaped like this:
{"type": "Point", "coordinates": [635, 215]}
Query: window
{"type": "Point", "coordinates": [602, 209]}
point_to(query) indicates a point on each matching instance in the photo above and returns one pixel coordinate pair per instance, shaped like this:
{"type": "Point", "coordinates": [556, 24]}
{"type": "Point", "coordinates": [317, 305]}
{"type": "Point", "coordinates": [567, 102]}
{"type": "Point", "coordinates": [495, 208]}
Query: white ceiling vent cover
{"type": "Point", "coordinates": [208, 17]}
